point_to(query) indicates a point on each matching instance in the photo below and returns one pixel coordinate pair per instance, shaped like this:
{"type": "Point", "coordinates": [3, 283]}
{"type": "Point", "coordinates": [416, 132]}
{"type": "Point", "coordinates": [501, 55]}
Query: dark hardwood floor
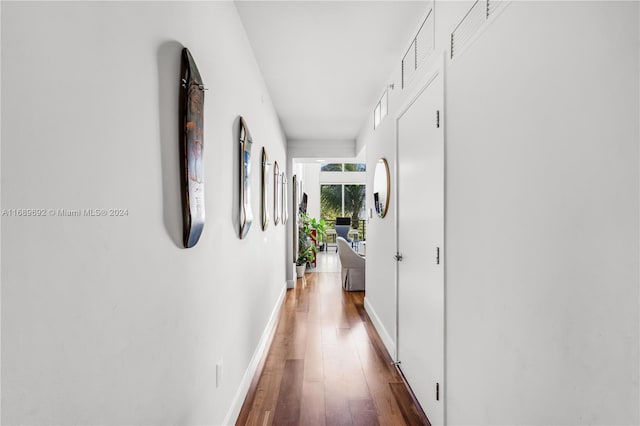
{"type": "Point", "coordinates": [327, 365]}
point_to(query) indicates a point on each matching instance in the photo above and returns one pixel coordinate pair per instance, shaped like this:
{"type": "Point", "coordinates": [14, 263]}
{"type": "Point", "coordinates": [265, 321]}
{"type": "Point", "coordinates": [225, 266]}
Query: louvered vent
{"type": "Point", "coordinates": [473, 21]}
{"type": "Point", "coordinates": [494, 5]}
{"type": "Point", "coordinates": [468, 26]}
{"type": "Point", "coordinates": [409, 64]}
{"type": "Point", "coordinates": [420, 48]}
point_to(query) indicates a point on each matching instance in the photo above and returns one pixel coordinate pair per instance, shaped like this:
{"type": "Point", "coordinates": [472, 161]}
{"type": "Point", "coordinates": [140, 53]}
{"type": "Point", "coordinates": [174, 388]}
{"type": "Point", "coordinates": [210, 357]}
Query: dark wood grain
{"type": "Point", "coordinates": [336, 403]}
{"type": "Point", "coordinates": [312, 407]}
{"type": "Point", "coordinates": [326, 365]}
{"type": "Point", "coordinates": [363, 412]}
{"type": "Point", "coordinates": [412, 414]}
{"type": "Point", "coordinates": [288, 409]}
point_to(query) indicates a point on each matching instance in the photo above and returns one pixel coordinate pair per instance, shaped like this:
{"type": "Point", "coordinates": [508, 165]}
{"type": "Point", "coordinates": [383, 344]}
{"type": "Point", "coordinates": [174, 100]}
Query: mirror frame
{"type": "Point", "coordinates": [265, 192]}
{"type": "Point", "coordinates": [276, 193]}
{"type": "Point", "coordinates": [388, 176]}
{"type": "Point", "coordinates": [245, 213]}
{"type": "Point", "coordinates": [285, 195]}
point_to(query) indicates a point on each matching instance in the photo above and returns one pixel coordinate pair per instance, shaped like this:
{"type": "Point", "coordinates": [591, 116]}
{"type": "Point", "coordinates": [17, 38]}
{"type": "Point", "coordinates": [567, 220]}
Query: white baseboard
{"type": "Point", "coordinates": [292, 282]}
{"type": "Point", "coordinates": [384, 334]}
{"type": "Point", "coordinates": [245, 383]}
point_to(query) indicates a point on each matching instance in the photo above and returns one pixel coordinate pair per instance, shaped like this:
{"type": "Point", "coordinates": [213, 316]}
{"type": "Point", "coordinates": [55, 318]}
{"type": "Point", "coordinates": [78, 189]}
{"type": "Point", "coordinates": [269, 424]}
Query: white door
{"type": "Point", "coordinates": [420, 141]}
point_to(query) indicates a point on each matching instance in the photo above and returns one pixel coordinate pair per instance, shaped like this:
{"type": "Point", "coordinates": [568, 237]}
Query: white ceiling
{"type": "Point", "coordinates": [326, 62]}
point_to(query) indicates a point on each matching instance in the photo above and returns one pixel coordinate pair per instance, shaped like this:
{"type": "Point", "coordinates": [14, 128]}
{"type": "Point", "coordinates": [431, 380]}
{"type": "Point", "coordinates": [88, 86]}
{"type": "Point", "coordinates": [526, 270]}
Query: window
{"type": "Point", "coordinates": [331, 205]}
{"type": "Point", "coordinates": [383, 105]}
{"type": "Point", "coordinates": [354, 201]}
{"type": "Point", "coordinates": [331, 167]}
{"type": "Point", "coordinates": [344, 200]}
{"type": "Point", "coordinates": [380, 111]}
{"type": "Point", "coordinates": [355, 167]}
{"type": "Point", "coordinates": [343, 167]}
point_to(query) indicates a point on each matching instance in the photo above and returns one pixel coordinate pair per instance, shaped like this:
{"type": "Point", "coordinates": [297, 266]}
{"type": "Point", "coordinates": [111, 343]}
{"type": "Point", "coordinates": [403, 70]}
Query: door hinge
{"type": "Point", "coordinates": [398, 257]}
{"type": "Point", "coordinates": [438, 118]}
{"type": "Point", "coordinates": [437, 391]}
{"type": "Point", "coordinates": [437, 255]}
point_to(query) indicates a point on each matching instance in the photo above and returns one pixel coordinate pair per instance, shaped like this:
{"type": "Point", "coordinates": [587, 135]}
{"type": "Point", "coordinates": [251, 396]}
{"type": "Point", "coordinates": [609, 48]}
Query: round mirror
{"type": "Point", "coordinates": [381, 187]}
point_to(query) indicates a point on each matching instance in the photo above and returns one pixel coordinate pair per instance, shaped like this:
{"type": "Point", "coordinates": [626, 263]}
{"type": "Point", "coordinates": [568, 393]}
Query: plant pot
{"type": "Point", "coordinates": [300, 270]}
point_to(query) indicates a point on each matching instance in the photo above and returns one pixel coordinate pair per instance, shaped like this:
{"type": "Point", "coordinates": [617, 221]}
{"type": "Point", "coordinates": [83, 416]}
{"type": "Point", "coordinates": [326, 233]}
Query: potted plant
{"type": "Point", "coordinates": [305, 255]}
{"type": "Point", "coordinates": [307, 241]}
{"type": "Point", "coordinates": [309, 224]}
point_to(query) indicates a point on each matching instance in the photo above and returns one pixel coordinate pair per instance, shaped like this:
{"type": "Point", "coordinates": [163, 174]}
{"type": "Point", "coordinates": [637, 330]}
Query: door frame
{"type": "Point", "coordinates": [415, 88]}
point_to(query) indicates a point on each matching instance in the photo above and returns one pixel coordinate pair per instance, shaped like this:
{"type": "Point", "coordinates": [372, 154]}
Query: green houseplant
{"type": "Point", "coordinates": [306, 253]}
{"type": "Point", "coordinates": [309, 224]}
{"type": "Point", "coordinates": [305, 256]}
{"type": "Point", "coordinates": [306, 243]}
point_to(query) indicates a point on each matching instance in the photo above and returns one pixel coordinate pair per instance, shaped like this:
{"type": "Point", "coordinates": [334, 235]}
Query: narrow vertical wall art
{"type": "Point", "coordinates": [265, 186]}
{"type": "Point", "coordinates": [246, 215]}
{"type": "Point", "coordinates": [191, 149]}
{"type": "Point", "coordinates": [285, 208]}
{"type": "Point", "coordinates": [276, 193]}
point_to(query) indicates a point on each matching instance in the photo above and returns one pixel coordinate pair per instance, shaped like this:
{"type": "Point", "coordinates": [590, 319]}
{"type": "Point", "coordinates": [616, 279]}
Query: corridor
{"type": "Point", "coordinates": [326, 364]}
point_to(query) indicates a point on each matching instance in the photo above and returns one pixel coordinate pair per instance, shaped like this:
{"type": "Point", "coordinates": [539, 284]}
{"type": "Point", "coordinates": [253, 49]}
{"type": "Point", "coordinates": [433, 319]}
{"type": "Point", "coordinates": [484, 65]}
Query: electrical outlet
{"type": "Point", "coordinates": [219, 373]}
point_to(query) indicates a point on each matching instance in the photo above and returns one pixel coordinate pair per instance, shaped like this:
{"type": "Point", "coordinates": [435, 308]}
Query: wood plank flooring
{"type": "Point", "coordinates": [327, 365]}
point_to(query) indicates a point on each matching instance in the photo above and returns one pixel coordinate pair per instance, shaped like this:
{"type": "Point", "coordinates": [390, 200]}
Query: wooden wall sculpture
{"type": "Point", "coordinates": [191, 149]}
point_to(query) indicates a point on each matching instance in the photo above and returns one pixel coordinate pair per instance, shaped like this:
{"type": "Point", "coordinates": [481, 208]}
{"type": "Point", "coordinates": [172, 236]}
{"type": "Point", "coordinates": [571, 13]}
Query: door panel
{"type": "Point", "coordinates": [420, 235]}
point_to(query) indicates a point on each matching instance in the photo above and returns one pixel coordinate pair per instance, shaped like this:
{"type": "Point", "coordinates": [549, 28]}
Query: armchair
{"type": "Point", "coordinates": [353, 277]}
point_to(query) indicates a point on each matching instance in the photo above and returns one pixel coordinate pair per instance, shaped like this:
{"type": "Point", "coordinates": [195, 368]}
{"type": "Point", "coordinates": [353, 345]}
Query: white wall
{"type": "Point", "coordinates": [321, 148]}
{"type": "Point", "coordinates": [311, 185]}
{"type": "Point", "coordinates": [381, 232]}
{"type": "Point", "coordinates": [108, 320]}
{"type": "Point", "coordinates": [342, 177]}
{"type": "Point", "coordinates": [542, 208]}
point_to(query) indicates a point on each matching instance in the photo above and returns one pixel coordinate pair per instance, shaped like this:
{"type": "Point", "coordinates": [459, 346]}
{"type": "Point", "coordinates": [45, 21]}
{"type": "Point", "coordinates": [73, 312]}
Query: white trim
{"type": "Point", "coordinates": [245, 383]}
{"type": "Point", "coordinates": [0, 204]}
{"type": "Point", "coordinates": [415, 90]}
{"type": "Point", "coordinates": [384, 335]}
{"type": "Point", "coordinates": [418, 85]}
